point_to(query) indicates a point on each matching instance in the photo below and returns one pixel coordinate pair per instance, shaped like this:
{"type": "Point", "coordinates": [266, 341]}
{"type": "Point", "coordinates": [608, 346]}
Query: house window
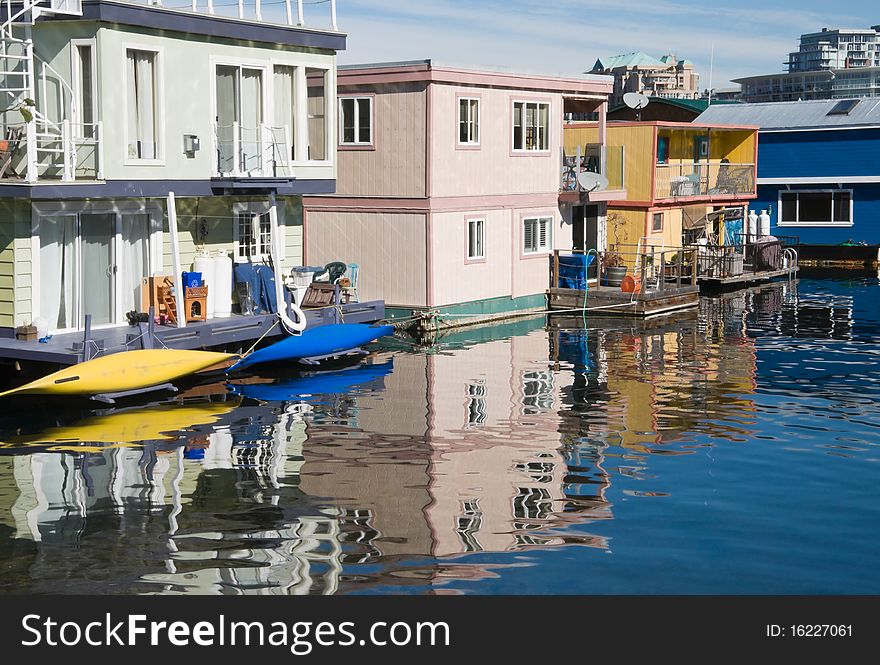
{"type": "Point", "coordinates": [285, 110]}
{"type": "Point", "coordinates": [816, 208]}
{"type": "Point", "coordinates": [84, 87]}
{"type": "Point", "coordinates": [239, 119]}
{"type": "Point", "coordinates": [657, 222]}
{"type": "Point", "coordinates": [317, 109]}
{"type": "Point", "coordinates": [252, 233]}
{"type": "Point", "coordinates": [468, 121]}
{"type": "Point", "coordinates": [355, 120]}
{"type": "Point", "coordinates": [662, 149]}
{"type": "Point", "coordinates": [531, 126]}
{"type": "Point", "coordinates": [536, 234]}
{"type": "Point", "coordinates": [476, 238]}
{"type": "Point", "coordinates": [142, 104]}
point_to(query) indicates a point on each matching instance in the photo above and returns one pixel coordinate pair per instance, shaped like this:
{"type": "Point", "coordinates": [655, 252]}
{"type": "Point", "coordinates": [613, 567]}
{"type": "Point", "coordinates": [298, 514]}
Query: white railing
{"type": "Point", "coordinates": [270, 11]}
{"type": "Point", "coordinates": [261, 151]}
{"type": "Point", "coordinates": [65, 152]}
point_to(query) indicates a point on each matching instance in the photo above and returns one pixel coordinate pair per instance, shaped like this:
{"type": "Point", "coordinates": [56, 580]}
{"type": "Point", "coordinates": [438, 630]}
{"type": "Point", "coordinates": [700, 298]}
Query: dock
{"type": "Point", "coordinates": [234, 333]}
{"type": "Point", "coordinates": [748, 277]}
{"type": "Point", "coordinates": [663, 282]}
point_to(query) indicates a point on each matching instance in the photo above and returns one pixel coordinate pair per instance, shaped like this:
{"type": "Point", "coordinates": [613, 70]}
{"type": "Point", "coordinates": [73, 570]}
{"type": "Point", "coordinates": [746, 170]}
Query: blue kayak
{"type": "Point", "coordinates": [326, 383]}
{"type": "Point", "coordinates": [314, 342]}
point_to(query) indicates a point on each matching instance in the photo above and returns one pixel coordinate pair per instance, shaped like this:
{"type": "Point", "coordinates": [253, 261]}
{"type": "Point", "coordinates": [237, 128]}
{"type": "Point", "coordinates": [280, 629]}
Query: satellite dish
{"type": "Point", "coordinates": [635, 100]}
{"type": "Point", "coordinates": [591, 182]}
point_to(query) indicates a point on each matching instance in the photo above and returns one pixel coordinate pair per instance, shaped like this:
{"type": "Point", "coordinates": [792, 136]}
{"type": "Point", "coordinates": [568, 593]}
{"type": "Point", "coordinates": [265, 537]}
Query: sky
{"type": "Point", "coordinates": [566, 37]}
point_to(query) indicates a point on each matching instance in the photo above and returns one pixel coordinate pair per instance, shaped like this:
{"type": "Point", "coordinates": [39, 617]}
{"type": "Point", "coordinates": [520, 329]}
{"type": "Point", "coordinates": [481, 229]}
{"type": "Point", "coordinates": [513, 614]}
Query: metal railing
{"type": "Point", "coordinates": [704, 178]}
{"type": "Point", "coordinates": [651, 268]}
{"type": "Point", "coordinates": [751, 255]}
{"type": "Point", "coordinates": [283, 12]}
{"type": "Point", "coordinates": [262, 151]}
{"type": "Point", "coordinates": [590, 159]}
{"type": "Point", "coordinates": [63, 152]}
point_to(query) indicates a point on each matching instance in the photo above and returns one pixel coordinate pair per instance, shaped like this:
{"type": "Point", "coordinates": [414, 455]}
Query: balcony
{"type": "Point", "coordinates": [260, 152]}
{"type": "Point", "coordinates": [704, 179]}
{"type": "Point", "coordinates": [60, 152]}
{"type": "Point", "coordinates": [592, 161]}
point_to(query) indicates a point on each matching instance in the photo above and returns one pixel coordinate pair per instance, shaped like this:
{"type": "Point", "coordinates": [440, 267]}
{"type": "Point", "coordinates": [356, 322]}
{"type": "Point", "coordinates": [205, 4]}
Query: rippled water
{"type": "Point", "coordinates": [732, 451]}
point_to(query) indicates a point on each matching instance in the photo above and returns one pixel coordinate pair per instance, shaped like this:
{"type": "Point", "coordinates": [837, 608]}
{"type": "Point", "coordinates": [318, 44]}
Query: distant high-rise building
{"type": "Point", "coordinates": [829, 64]}
{"type": "Point", "coordinates": [836, 49]}
{"type": "Point", "coordinates": [666, 77]}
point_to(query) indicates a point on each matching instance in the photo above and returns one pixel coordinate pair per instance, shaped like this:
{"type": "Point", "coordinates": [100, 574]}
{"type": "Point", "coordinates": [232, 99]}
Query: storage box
{"type": "Point", "coordinates": [151, 293]}
{"type": "Point", "coordinates": [26, 333]}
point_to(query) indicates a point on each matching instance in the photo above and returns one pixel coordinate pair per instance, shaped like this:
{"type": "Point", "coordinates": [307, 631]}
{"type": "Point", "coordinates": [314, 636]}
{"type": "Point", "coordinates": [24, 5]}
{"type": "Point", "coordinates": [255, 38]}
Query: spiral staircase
{"type": "Point", "coordinates": [37, 147]}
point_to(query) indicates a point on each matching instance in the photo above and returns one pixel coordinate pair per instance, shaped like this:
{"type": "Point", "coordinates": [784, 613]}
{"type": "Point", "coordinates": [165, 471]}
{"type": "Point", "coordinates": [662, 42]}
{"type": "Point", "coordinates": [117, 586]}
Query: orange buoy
{"type": "Point", "coordinates": [630, 284]}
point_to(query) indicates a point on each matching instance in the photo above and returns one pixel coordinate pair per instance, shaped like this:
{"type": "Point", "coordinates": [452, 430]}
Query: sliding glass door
{"type": "Point", "coordinates": [93, 263]}
{"type": "Point", "coordinates": [240, 119]}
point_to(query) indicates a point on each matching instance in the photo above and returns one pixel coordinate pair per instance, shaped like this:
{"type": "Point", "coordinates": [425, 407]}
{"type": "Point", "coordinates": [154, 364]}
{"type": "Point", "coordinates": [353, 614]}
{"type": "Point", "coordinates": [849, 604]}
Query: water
{"type": "Point", "coordinates": [733, 451]}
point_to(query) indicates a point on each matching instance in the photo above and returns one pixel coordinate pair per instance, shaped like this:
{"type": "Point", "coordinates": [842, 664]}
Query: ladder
{"type": "Point", "coordinates": [48, 143]}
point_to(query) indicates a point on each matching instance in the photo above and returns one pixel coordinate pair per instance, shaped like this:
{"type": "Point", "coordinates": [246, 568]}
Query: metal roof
{"type": "Point", "coordinates": [794, 115]}
{"type": "Point", "coordinates": [626, 60]}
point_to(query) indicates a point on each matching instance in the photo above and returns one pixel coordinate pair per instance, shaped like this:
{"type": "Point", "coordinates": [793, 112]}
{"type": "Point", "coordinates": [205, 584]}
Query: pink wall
{"type": "Point", "coordinates": [493, 168]}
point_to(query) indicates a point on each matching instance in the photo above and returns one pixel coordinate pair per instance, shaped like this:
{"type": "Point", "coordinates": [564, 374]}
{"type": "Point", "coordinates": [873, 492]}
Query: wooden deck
{"type": "Point", "coordinates": [747, 277]}
{"type": "Point", "coordinates": [604, 302]}
{"type": "Point", "coordinates": [234, 333]}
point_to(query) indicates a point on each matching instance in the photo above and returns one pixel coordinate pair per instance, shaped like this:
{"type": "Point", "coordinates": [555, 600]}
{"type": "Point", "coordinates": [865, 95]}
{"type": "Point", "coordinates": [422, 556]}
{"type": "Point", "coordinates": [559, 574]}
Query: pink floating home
{"type": "Point", "coordinates": [451, 191]}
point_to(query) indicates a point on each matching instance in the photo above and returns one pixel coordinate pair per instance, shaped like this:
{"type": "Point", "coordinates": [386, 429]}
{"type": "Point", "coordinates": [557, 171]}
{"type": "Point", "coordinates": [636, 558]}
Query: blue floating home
{"type": "Point", "coordinates": [818, 168]}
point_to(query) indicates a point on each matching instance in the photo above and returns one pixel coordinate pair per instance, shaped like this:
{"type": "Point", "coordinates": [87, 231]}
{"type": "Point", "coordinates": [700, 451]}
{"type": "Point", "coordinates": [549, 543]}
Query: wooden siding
{"type": "Point", "coordinates": [491, 169]}
{"type": "Point", "coordinates": [455, 279]}
{"type": "Point", "coordinates": [218, 214]}
{"type": "Point", "coordinates": [638, 142]}
{"type": "Point", "coordinates": [7, 263]}
{"type": "Point", "coordinates": [389, 247]}
{"type": "Point", "coordinates": [396, 165]}
{"type": "Point", "coordinates": [819, 154]}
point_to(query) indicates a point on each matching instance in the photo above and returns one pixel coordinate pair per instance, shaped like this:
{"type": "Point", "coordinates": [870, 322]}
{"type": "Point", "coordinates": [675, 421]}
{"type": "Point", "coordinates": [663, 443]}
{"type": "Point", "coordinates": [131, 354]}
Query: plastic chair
{"type": "Point", "coordinates": [351, 288]}
{"type": "Point", "coordinates": [333, 271]}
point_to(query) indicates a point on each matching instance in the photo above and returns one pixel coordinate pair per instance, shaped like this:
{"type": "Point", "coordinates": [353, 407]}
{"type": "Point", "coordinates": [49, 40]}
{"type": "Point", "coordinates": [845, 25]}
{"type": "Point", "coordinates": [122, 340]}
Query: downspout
{"type": "Point", "coordinates": [289, 324]}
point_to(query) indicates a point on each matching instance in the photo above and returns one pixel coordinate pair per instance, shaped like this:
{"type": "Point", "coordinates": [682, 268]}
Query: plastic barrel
{"type": "Point", "coordinates": [223, 290]}
{"type": "Point", "coordinates": [205, 264]}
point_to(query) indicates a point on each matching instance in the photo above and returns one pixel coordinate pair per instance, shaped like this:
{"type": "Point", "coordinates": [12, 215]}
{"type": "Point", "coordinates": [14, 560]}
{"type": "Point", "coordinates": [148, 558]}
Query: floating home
{"type": "Point", "coordinates": [234, 114]}
{"type": "Point", "coordinates": [687, 185]}
{"type": "Point", "coordinates": [817, 173]}
{"type": "Point", "coordinates": [449, 192]}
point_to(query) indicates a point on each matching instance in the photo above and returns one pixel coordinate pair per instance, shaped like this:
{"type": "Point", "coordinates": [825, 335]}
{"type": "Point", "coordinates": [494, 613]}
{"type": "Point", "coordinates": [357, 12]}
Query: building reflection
{"type": "Point", "coordinates": [497, 446]}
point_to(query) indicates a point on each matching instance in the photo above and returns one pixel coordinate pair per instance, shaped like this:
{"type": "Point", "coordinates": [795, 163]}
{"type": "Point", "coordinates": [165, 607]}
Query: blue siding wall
{"type": "Point", "coordinates": [819, 153]}
{"type": "Point", "coordinates": [866, 213]}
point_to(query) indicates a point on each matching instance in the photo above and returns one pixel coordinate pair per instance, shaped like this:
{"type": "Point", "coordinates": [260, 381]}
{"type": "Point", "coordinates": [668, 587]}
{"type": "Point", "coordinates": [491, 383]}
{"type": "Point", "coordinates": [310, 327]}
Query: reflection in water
{"type": "Point", "coordinates": [452, 469]}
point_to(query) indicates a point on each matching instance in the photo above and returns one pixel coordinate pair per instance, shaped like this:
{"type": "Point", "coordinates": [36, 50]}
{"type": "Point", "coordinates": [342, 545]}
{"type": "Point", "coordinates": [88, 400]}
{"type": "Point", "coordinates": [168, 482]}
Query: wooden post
{"type": "Point", "coordinates": [678, 269]}
{"type": "Point", "coordinates": [642, 274]}
{"type": "Point", "coordinates": [554, 274]}
{"type": "Point", "coordinates": [693, 267]}
{"type": "Point", "coordinates": [87, 335]}
{"type": "Point", "coordinates": [175, 262]}
{"type": "Point", "coordinates": [151, 328]}
{"type": "Point", "coordinates": [662, 277]}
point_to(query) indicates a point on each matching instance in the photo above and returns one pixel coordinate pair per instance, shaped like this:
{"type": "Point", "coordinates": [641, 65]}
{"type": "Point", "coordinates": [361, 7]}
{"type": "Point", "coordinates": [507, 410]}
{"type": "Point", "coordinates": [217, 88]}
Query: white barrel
{"type": "Point", "coordinates": [751, 229]}
{"type": "Point", "coordinates": [763, 224]}
{"type": "Point", "coordinates": [223, 292]}
{"type": "Point", "coordinates": [205, 265]}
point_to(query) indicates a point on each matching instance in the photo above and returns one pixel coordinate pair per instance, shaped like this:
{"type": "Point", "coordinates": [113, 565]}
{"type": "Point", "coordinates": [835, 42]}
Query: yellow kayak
{"type": "Point", "coordinates": [119, 372]}
{"type": "Point", "coordinates": [162, 422]}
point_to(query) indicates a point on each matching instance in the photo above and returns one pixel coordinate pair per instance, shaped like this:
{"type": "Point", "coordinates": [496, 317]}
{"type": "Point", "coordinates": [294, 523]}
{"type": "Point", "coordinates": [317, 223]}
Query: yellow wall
{"type": "Point", "coordinates": [638, 142]}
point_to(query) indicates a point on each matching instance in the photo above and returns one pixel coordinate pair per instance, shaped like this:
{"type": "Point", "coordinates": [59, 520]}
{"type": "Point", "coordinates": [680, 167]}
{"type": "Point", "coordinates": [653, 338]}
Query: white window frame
{"type": "Point", "coordinates": [526, 103]}
{"type": "Point", "coordinates": [830, 223]}
{"type": "Point", "coordinates": [329, 124]}
{"type": "Point", "coordinates": [479, 240]}
{"type": "Point", "coordinates": [358, 100]}
{"type": "Point", "coordinates": [473, 122]}
{"type": "Point", "coordinates": [159, 100]}
{"type": "Point", "coordinates": [256, 209]}
{"type": "Point", "coordinates": [76, 84]}
{"type": "Point", "coordinates": [548, 236]}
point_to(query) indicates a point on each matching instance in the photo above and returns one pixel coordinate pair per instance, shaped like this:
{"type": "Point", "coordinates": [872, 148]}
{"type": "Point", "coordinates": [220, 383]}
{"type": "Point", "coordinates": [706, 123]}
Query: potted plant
{"type": "Point", "coordinates": [615, 268]}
